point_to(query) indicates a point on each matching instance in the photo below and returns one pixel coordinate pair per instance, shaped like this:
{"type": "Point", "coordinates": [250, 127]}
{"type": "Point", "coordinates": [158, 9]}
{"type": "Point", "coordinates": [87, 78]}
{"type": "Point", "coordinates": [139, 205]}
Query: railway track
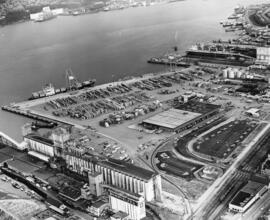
{"type": "Point", "coordinates": [241, 175]}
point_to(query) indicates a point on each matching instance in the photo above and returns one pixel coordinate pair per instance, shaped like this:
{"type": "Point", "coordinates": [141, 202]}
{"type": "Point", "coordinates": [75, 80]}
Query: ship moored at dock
{"type": "Point", "coordinates": [72, 84]}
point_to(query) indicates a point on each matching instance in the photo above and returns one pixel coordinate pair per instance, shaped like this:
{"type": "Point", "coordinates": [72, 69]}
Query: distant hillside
{"type": "Point", "coordinates": [16, 10]}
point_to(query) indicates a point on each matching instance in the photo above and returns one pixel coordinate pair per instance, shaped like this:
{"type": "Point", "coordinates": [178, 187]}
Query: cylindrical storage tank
{"type": "Point", "coordinates": [238, 73]}
{"type": "Point", "coordinates": [231, 74]}
{"type": "Point", "coordinates": [225, 73]}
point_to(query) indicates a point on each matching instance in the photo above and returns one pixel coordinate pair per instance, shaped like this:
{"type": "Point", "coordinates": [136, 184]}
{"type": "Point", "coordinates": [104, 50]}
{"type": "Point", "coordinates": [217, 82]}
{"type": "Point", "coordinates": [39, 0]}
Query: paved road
{"type": "Point", "coordinates": [258, 207]}
{"type": "Point", "coordinates": [233, 186]}
{"type": "Point", "coordinates": [188, 210]}
{"type": "Point", "coordinates": [248, 166]}
{"type": "Point", "coordinates": [215, 188]}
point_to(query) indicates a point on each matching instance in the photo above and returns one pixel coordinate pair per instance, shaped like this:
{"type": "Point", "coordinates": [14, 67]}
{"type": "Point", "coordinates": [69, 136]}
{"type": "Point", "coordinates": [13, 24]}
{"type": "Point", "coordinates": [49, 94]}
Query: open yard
{"type": "Point", "coordinates": [221, 142]}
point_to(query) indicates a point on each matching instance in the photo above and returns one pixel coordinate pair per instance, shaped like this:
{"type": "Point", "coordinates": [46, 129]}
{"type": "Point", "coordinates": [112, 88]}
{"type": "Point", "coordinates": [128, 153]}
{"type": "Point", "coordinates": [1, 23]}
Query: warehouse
{"type": "Point", "coordinates": [182, 117]}
{"type": "Point", "coordinates": [171, 119]}
{"type": "Point", "coordinates": [247, 196]}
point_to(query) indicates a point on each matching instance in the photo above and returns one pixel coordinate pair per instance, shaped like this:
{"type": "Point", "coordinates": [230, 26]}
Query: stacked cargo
{"type": "Point", "coordinates": [119, 117]}
{"type": "Point", "coordinates": [84, 111]}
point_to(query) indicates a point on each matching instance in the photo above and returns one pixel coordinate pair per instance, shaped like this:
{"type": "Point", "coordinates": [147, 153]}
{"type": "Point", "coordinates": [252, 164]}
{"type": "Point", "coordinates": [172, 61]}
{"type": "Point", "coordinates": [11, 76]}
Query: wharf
{"type": "Point", "coordinates": [163, 62]}
{"type": "Point", "coordinates": [27, 108]}
{"type": "Point", "coordinates": [29, 114]}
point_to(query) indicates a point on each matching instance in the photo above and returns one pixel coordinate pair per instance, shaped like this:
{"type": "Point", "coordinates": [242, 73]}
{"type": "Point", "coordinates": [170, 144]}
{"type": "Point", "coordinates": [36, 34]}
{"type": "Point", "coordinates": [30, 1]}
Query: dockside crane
{"type": "Point", "coordinates": [71, 81]}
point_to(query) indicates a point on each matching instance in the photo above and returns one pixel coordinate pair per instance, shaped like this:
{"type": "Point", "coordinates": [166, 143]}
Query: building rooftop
{"type": "Point", "coordinates": [241, 199]}
{"type": "Point", "coordinates": [119, 166]}
{"type": "Point", "coordinates": [53, 202]}
{"type": "Point", "coordinates": [39, 138]}
{"type": "Point", "coordinates": [253, 187]}
{"type": "Point", "coordinates": [99, 204]}
{"type": "Point", "coordinates": [172, 118]}
{"type": "Point", "coordinates": [246, 193]}
{"type": "Point", "coordinates": [94, 174]}
{"type": "Point", "coordinates": [129, 169]}
{"type": "Point", "coordinates": [198, 107]}
{"type": "Point", "coordinates": [71, 193]}
{"type": "Point", "coordinates": [113, 190]}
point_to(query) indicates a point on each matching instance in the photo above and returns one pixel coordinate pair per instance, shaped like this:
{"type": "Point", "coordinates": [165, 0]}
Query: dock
{"type": "Point", "coordinates": [29, 114]}
{"type": "Point", "coordinates": [34, 109]}
{"type": "Point", "coordinates": [168, 62]}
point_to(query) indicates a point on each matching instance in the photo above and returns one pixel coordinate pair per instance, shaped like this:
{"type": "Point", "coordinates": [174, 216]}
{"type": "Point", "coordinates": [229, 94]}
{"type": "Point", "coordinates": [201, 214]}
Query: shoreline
{"type": "Point", "coordinates": [72, 11]}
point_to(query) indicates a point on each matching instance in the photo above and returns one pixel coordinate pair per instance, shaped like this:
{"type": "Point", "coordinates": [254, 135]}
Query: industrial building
{"type": "Point", "coordinates": [227, 53]}
{"type": "Point", "coordinates": [242, 74]}
{"type": "Point", "coordinates": [39, 147]}
{"type": "Point", "coordinates": [223, 53]}
{"type": "Point", "coordinates": [95, 181]}
{"type": "Point", "coordinates": [263, 55]}
{"type": "Point", "coordinates": [131, 203]}
{"type": "Point", "coordinates": [171, 119]}
{"type": "Point", "coordinates": [43, 147]}
{"type": "Point", "coordinates": [245, 198]}
{"type": "Point", "coordinates": [118, 174]}
{"type": "Point", "coordinates": [182, 117]}
{"type": "Point", "coordinates": [71, 193]}
{"type": "Point", "coordinates": [97, 207]}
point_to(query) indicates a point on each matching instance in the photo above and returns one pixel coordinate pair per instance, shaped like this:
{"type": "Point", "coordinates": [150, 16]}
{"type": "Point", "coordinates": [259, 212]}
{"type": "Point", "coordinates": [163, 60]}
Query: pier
{"type": "Point", "coordinates": [29, 114]}
{"type": "Point", "coordinates": [34, 109]}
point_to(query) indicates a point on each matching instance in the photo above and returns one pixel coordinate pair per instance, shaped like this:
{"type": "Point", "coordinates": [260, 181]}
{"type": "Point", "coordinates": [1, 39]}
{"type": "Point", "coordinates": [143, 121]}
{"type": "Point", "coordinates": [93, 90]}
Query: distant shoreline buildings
{"type": "Point", "coordinates": [46, 14]}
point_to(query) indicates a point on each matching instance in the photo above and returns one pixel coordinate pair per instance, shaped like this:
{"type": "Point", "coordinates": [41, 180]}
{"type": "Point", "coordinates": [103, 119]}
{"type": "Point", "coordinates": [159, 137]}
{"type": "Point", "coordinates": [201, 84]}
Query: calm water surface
{"type": "Point", "coordinates": [105, 46]}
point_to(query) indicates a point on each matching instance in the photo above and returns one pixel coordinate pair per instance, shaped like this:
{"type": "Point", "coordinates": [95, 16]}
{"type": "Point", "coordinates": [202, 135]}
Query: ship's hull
{"type": "Point", "coordinates": [90, 83]}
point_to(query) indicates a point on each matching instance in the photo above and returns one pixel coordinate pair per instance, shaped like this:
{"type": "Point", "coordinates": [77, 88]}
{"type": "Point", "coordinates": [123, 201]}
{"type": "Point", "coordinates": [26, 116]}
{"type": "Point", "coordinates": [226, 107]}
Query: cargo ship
{"type": "Point", "coordinates": [164, 61]}
{"type": "Point", "coordinates": [49, 89]}
{"type": "Point", "coordinates": [222, 54]}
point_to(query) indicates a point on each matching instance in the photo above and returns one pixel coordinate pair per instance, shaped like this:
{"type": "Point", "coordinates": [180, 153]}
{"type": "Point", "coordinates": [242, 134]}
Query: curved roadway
{"type": "Point", "coordinates": [184, 196]}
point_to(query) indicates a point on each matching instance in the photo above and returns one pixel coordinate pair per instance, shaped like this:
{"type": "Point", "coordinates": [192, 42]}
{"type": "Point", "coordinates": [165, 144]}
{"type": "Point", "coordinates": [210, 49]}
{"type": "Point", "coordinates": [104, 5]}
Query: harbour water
{"type": "Point", "coordinates": [106, 46]}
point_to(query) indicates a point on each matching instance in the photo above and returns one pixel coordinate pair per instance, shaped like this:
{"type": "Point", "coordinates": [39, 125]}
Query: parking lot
{"type": "Point", "coordinates": [169, 163]}
{"type": "Point", "coordinates": [221, 142]}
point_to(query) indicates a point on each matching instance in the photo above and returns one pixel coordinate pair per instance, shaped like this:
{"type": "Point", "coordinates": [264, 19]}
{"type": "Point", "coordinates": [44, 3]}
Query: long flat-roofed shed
{"type": "Point", "coordinates": [247, 196]}
{"type": "Point", "coordinates": [182, 116]}
{"type": "Point", "coordinates": [171, 118]}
